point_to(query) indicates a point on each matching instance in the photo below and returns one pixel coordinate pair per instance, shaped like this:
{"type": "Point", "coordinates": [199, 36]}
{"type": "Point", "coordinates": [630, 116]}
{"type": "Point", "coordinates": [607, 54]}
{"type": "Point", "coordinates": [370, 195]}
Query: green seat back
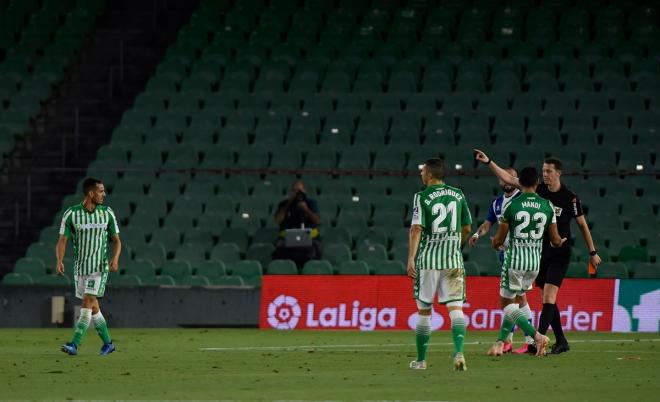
{"type": "Point", "coordinates": [353, 268]}
{"type": "Point", "coordinates": [317, 267]}
{"type": "Point", "coordinates": [282, 267]}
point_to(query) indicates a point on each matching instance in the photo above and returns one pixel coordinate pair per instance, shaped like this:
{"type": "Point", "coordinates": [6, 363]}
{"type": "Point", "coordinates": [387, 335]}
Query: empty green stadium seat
{"type": "Point", "coordinates": [387, 267]}
{"type": "Point", "coordinates": [227, 281]}
{"type": "Point", "coordinates": [176, 268]}
{"type": "Point", "coordinates": [337, 253]}
{"type": "Point", "coordinates": [52, 280]}
{"type": "Point", "coordinates": [353, 268]}
{"type": "Point", "coordinates": [157, 280]}
{"type": "Point", "coordinates": [282, 267]}
{"type": "Point", "coordinates": [317, 268]}
{"type": "Point", "coordinates": [646, 271]}
{"type": "Point", "coordinates": [17, 279]}
{"type": "Point", "coordinates": [615, 270]}
{"type": "Point", "coordinates": [577, 270]}
{"type": "Point", "coordinates": [34, 267]}
{"type": "Point", "coordinates": [633, 253]}
{"type": "Point", "coordinates": [193, 280]}
{"type": "Point", "coordinates": [124, 280]}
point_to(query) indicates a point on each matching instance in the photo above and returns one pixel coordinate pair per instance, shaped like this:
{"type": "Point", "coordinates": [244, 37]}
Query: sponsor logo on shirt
{"type": "Point", "coordinates": [89, 226]}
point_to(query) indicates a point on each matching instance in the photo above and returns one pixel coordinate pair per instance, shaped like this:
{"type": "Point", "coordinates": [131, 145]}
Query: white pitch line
{"type": "Point", "coordinates": [392, 345]}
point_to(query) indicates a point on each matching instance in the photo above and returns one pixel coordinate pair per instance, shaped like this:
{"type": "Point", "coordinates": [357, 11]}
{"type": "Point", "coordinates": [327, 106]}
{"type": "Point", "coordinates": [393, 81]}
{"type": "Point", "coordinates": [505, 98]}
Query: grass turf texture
{"type": "Point", "coordinates": [309, 365]}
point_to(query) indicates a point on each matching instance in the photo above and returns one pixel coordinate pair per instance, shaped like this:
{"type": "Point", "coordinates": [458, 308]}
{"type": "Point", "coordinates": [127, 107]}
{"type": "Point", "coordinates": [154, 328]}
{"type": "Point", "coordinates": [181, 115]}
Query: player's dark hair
{"type": "Point", "coordinates": [529, 176]}
{"type": "Point", "coordinates": [436, 167]}
{"type": "Point", "coordinates": [554, 161]}
{"type": "Point", "coordinates": [90, 184]}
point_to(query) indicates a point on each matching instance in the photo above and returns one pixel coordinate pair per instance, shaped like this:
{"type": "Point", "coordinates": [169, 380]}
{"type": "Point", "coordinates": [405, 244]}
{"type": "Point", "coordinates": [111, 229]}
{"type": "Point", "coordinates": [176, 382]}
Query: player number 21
{"type": "Point", "coordinates": [443, 211]}
{"type": "Point", "coordinates": [535, 234]}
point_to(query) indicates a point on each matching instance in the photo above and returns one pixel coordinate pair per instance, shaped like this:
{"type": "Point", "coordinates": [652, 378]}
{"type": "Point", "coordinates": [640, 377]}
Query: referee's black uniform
{"type": "Point", "coordinates": [555, 261]}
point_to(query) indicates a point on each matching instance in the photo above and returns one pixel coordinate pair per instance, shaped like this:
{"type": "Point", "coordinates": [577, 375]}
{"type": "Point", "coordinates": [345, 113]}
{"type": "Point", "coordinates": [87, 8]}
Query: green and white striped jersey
{"type": "Point", "coordinates": [440, 210]}
{"type": "Point", "coordinates": [528, 217]}
{"type": "Point", "coordinates": [89, 232]}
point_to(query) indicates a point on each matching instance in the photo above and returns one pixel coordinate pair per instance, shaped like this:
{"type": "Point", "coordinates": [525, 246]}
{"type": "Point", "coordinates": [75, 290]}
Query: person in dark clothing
{"type": "Point", "coordinates": [554, 261]}
{"type": "Point", "coordinates": [298, 211]}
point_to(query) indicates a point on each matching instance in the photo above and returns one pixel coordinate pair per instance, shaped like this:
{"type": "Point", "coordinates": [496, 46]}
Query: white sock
{"type": "Point", "coordinates": [527, 311]}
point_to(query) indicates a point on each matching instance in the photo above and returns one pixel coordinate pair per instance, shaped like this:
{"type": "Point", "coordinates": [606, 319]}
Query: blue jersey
{"type": "Point", "coordinates": [495, 212]}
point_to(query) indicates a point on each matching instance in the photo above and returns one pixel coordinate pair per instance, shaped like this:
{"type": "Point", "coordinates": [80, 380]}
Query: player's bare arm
{"type": "Point", "coordinates": [60, 250]}
{"type": "Point", "coordinates": [413, 245]}
{"type": "Point", "coordinates": [555, 240]}
{"type": "Point", "coordinates": [500, 235]}
{"type": "Point", "coordinates": [116, 251]}
{"type": "Point", "coordinates": [497, 170]}
{"type": "Point", "coordinates": [483, 229]}
{"type": "Point", "coordinates": [586, 234]}
{"type": "Point", "coordinates": [465, 232]}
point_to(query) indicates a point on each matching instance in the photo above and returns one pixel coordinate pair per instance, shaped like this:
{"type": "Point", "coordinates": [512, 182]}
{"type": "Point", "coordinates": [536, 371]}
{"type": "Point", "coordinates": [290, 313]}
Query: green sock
{"type": "Point", "coordinates": [422, 335]}
{"type": "Point", "coordinates": [82, 325]}
{"type": "Point", "coordinates": [505, 329]}
{"type": "Point", "coordinates": [458, 332]}
{"type": "Point", "coordinates": [101, 327]}
{"type": "Point", "coordinates": [521, 321]}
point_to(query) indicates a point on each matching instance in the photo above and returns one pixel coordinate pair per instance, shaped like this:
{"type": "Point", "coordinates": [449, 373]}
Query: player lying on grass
{"type": "Point", "coordinates": [526, 220]}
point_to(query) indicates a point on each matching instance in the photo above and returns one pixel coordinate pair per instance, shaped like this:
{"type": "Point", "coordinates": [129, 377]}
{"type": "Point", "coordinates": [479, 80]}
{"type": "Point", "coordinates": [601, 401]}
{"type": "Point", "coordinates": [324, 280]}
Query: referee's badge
{"type": "Point", "coordinates": [558, 211]}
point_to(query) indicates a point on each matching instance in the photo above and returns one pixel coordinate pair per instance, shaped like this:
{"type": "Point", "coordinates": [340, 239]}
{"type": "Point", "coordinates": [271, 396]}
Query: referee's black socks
{"type": "Point", "coordinates": [547, 315]}
{"type": "Point", "coordinates": [550, 316]}
{"type": "Point", "coordinates": [556, 326]}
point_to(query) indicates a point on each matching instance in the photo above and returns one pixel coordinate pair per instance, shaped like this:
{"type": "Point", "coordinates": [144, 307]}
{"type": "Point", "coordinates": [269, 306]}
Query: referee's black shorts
{"type": "Point", "coordinates": [553, 268]}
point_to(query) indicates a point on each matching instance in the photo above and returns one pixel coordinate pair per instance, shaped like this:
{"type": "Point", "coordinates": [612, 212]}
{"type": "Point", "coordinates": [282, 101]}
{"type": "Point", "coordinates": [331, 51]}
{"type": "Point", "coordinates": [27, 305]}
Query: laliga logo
{"type": "Point", "coordinates": [284, 312]}
{"type": "Point", "coordinates": [436, 320]}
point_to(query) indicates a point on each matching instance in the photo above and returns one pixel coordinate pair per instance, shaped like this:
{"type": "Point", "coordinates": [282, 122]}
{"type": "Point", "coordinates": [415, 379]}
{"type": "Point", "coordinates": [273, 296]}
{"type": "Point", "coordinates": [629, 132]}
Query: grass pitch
{"type": "Point", "coordinates": [308, 365]}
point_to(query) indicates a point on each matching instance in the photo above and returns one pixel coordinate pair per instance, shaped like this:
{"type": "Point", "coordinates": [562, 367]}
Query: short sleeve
{"type": "Point", "coordinates": [492, 218]}
{"type": "Point", "coordinates": [113, 226]}
{"type": "Point", "coordinates": [576, 207]}
{"type": "Point", "coordinates": [417, 212]}
{"type": "Point", "coordinates": [553, 215]}
{"type": "Point", "coordinates": [67, 223]}
{"type": "Point", "coordinates": [466, 217]}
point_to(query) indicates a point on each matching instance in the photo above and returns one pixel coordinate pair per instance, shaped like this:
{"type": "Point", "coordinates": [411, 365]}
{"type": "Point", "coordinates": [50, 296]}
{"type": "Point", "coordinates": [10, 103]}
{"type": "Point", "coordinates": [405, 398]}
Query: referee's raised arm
{"type": "Point", "coordinates": [502, 174]}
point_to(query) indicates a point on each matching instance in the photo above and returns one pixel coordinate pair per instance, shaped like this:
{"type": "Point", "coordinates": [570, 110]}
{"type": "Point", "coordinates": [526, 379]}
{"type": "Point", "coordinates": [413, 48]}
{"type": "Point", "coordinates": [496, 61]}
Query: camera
{"type": "Point", "coordinates": [300, 196]}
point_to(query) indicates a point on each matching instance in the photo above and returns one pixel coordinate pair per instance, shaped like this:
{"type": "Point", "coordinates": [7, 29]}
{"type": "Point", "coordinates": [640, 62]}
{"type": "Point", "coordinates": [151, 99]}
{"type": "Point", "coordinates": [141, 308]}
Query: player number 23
{"type": "Point", "coordinates": [443, 211]}
{"type": "Point", "coordinates": [535, 234]}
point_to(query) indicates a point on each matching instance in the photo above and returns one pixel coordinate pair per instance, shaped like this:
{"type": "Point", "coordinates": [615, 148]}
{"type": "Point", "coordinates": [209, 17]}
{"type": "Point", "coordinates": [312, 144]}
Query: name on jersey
{"type": "Point", "coordinates": [531, 204]}
{"type": "Point", "coordinates": [88, 226]}
{"type": "Point", "coordinates": [442, 193]}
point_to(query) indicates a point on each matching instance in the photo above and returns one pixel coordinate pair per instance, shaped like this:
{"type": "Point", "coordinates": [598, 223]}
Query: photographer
{"type": "Point", "coordinates": [298, 212]}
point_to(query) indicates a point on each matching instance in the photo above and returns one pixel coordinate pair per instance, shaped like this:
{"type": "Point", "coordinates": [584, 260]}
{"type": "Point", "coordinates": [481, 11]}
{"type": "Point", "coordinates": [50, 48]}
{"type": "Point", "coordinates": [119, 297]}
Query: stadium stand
{"type": "Point", "coordinates": [352, 97]}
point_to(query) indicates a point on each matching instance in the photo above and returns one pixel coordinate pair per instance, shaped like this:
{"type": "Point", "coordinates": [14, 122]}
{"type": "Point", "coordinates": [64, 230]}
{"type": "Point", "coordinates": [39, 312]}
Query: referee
{"type": "Point", "coordinates": [554, 261]}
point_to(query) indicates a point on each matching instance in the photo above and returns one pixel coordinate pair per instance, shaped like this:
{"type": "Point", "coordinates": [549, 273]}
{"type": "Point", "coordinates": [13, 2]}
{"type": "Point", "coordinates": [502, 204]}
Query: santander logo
{"type": "Point", "coordinates": [284, 312]}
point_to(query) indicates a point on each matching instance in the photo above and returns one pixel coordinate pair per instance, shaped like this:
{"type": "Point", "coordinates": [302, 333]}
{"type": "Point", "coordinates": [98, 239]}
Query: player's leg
{"type": "Point", "coordinates": [528, 345]}
{"type": "Point", "coordinates": [506, 298]}
{"type": "Point", "coordinates": [550, 314]}
{"type": "Point", "coordinates": [98, 319]}
{"type": "Point", "coordinates": [515, 283]}
{"type": "Point", "coordinates": [80, 284]}
{"type": "Point", "coordinates": [424, 290]}
{"type": "Point", "coordinates": [451, 293]}
{"type": "Point", "coordinates": [422, 334]}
